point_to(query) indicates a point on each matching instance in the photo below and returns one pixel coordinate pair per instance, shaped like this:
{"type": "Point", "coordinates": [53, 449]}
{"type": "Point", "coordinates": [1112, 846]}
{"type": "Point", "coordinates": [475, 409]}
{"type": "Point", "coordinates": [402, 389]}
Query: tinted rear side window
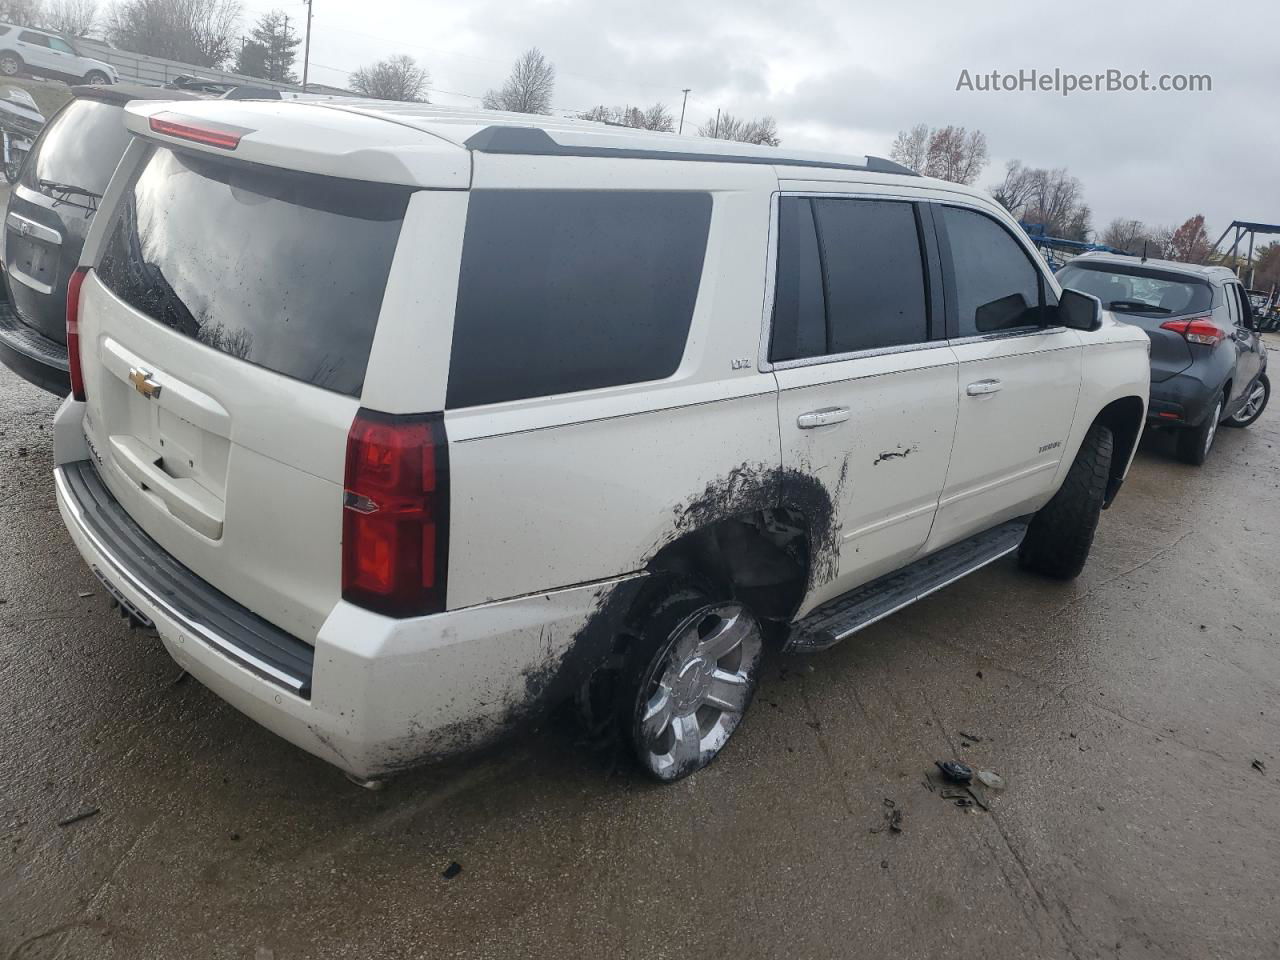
{"type": "Point", "coordinates": [566, 290]}
{"type": "Point", "coordinates": [997, 287]}
{"type": "Point", "coordinates": [875, 274]}
{"type": "Point", "coordinates": [850, 277]}
{"type": "Point", "coordinates": [799, 307]}
{"type": "Point", "coordinates": [282, 269]}
{"type": "Point", "coordinates": [80, 148]}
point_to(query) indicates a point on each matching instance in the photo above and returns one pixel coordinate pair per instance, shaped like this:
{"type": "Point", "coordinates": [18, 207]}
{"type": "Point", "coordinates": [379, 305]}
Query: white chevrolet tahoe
{"type": "Point", "coordinates": [398, 424]}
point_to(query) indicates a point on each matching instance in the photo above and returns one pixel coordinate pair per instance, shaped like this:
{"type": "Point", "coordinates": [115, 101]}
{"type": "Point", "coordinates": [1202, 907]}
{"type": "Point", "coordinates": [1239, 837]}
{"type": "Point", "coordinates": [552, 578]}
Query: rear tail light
{"type": "Point", "coordinates": [395, 514]}
{"type": "Point", "coordinates": [210, 134]}
{"type": "Point", "coordinates": [1197, 329]}
{"type": "Point", "coordinates": [73, 332]}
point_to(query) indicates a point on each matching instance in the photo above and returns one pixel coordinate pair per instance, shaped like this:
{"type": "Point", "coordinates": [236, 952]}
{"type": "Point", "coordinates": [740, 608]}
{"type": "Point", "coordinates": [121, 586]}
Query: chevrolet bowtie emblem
{"type": "Point", "coordinates": [142, 382]}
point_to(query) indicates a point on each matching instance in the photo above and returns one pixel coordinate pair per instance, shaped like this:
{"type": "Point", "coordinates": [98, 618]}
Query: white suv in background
{"type": "Point", "coordinates": [399, 423]}
{"type": "Point", "coordinates": [46, 54]}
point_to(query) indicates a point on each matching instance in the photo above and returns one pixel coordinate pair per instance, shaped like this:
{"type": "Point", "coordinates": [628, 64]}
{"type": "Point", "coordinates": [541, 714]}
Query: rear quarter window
{"type": "Point", "coordinates": [568, 290]}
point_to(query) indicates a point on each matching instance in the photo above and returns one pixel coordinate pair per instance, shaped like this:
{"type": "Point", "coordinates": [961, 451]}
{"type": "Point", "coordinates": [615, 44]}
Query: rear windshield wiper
{"type": "Point", "coordinates": [1136, 305]}
{"type": "Point", "coordinates": [70, 189]}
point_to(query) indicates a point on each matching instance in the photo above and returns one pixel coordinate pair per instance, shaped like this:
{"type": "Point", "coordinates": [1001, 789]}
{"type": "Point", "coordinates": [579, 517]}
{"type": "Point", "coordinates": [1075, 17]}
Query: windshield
{"type": "Point", "coordinates": [80, 148]}
{"type": "Point", "coordinates": [1142, 290]}
{"type": "Point", "coordinates": [281, 269]}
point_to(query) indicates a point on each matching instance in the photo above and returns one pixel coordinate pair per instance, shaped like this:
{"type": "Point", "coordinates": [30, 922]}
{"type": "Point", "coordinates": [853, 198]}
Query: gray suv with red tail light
{"type": "Point", "coordinates": [1208, 361]}
{"type": "Point", "coordinates": [50, 210]}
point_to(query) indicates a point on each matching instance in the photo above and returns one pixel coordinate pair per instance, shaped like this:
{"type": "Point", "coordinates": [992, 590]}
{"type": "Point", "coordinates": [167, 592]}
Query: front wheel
{"type": "Point", "coordinates": [1058, 541]}
{"type": "Point", "coordinates": [694, 671]}
{"type": "Point", "coordinates": [1254, 404]}
{"type": "Point", "coordinates": [1194, 443]}
{"type": "Point", "coordinates": [96, 77]}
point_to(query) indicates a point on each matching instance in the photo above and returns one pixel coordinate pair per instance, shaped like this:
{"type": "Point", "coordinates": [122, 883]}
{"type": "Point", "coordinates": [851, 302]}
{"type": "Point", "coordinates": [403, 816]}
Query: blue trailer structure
{"type": "Point", "coordinates": [1050, 246]}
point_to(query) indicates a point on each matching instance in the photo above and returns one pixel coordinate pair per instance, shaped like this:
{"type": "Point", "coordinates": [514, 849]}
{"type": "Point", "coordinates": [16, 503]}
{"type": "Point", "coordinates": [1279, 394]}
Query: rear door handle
{"type": "Point", "coordinates": [983, 387]}
{"type": "Point", "coordinates": [822, 418]}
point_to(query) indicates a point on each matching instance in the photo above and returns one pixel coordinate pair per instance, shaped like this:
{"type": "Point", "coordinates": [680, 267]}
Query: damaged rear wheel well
{"type": "Point", "coordinates": [760, 558]}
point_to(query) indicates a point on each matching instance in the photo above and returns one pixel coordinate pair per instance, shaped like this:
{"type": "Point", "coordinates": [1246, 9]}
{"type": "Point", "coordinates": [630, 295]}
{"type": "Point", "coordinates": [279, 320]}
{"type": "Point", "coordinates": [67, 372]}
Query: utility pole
{"type": "Point", "coordinates": [715, 134]}
{"type": "Point", "coordinates": [684, 104]}
{"type": "Point", "coordinates": [306, 50]}
{"type": "Point", "coordinates": [279, 43]}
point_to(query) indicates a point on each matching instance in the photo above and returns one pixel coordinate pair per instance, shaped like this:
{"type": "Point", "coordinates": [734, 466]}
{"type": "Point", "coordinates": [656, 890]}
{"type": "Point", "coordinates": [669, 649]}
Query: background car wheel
{"type": "Point", "coordinates": [10, 64]}
{"type": "Point", "coordinates": [1058, 541]}
{"type": "Point", "coordinates": [11, 170]}
{"type": "Point", "coordinates": [692, 675]}
{"type": "Point", "coordinates": [1194, 443]}
{"type": "Point", "coordinates": [1259, 394]}
{"type": "Point", "coordinates": [96, 77]}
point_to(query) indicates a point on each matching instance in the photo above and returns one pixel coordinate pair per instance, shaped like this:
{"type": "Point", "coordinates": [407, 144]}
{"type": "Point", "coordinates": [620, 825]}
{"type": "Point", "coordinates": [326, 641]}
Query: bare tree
{"type": "Point", "coordinates": [911, 147]}
{"type": "Point", "coordinates": [1052, 198]}
{"type": "Point", "coordinates": [75, 18]}
{"type": "Point", "coordinates": [195, 31]}
{"type": "Point", "coordinates": [1017, 189]}
{"type": "Point", "coordinates": [956, 154]}
{"type": "Point", "coordinates": [1125, 234]}
{"type": "Point", "coordinates": [25, 13]}
{"type": "Point", "coordinates": [396, 78]}
{"type": "Point", "coordinates": [528, 89]}
{"type": "Point", "coordinates": [657, 117]}
{"type": "Point", "coordinates": [763, 131]}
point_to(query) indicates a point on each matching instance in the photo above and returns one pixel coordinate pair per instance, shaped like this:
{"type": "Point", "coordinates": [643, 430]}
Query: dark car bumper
{"type": "Point", "coordinates": [1183, 400]}
{"type": "Point", "coordinates": [31, 355]}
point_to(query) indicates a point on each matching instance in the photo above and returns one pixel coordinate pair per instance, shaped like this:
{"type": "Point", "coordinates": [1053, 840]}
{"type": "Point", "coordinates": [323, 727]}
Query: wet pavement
{"type": "Point", "coordinates": [1124, 710]}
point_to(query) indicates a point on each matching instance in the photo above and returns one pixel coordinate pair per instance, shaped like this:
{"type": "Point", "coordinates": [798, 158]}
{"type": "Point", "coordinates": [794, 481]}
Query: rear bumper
{"type": "Point", "coordinates": [380, 694]}
{"type": "Point", "coordinates": [1183, 400]}
{"type": "Point", "coordinates": [31, 355]}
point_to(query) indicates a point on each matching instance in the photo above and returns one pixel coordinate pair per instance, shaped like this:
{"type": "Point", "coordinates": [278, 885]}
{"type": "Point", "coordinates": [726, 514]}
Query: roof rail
{"type": "Point", "coordinates": [536, 142]}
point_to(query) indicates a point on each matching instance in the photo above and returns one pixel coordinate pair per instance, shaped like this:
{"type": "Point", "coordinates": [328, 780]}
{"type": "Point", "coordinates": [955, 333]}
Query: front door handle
{"type": "Point", "coordinates": [983, 387]}
{"type": "Point", "coordinates": [822, 418]}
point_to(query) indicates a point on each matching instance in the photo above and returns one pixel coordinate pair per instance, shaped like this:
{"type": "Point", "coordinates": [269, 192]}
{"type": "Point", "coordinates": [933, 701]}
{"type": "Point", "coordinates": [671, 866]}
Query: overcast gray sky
{"type": "Point", "coordinates": [846, 77]}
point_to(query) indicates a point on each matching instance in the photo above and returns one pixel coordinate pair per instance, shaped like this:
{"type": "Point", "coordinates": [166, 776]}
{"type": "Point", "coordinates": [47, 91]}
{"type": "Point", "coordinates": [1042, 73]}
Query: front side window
{"type": "Point", "coordinates": [60, 45]}
{"type": "Point", "coordinates": [997, 287]}
{"type": "Point", "coordinates": [281, 269]}
{"type": "Point", "coordinates": [850, 277]}
{"type": "Point", "coordinates": [568, 290]}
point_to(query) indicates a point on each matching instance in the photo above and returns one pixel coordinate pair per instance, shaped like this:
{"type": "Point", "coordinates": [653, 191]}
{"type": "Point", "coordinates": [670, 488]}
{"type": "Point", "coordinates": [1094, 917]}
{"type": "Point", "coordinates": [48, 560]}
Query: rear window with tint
{"type": "Point", "coordinates": [80, 149]}
{"type": "Point", "coordinates": [566, 290]}
{"type": "Point", "coordinates": [1135, 289]}
{"type": "Point", "coordinates": [281, 269]}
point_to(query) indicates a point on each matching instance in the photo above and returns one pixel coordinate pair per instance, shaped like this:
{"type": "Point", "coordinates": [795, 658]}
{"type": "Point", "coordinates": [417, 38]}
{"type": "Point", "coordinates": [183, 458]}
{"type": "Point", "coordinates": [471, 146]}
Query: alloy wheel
{"type": "Point", "coordinates": [1213, 426]}
{"type": "Point", "coordinates": [1257, 397]}
{"type": "Point", "coordinates": [698, 690]}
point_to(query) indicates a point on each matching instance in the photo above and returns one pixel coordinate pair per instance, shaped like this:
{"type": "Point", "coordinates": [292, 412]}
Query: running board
{"type": "Point", "coordinates": [846, 615]}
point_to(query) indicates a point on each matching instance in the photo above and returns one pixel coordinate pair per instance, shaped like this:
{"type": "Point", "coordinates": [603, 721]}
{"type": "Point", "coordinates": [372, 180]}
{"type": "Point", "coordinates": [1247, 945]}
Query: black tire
{"type": "Point", "coordinates": [1238, 421]}
{"type": "Point", "coordinates": [11, 171]}
{"type": "Point", "coordinates": [10, 64]}
{"type": "Point", "coordinates": [1194, 443]}
{"type": "Point", "coordinates": [680, 622]}
{"type": "Point", "coordinates": [1058, 541]}
{"type": "Point", "coordinates": [96, 77]}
